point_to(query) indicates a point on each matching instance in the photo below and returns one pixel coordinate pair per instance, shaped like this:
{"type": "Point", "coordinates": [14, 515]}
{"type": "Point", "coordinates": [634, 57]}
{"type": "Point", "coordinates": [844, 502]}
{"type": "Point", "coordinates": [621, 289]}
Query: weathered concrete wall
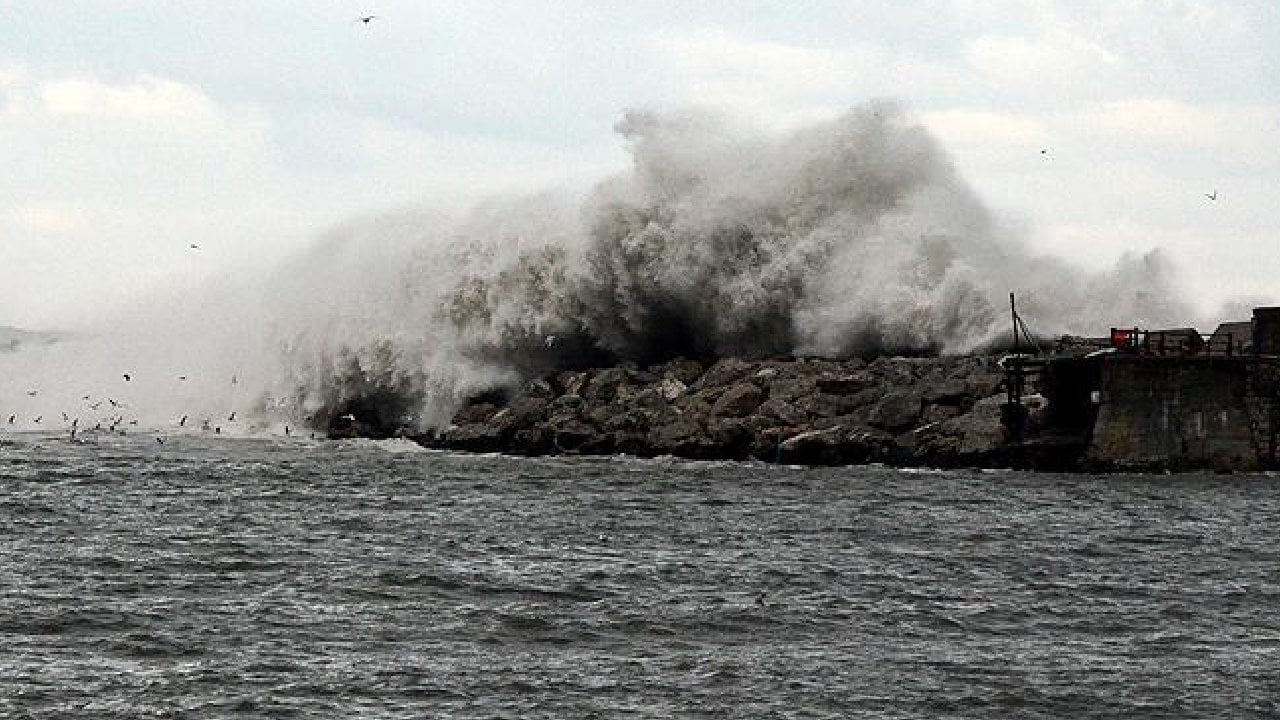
{"type": "Point", "coordinates": [1173, 413]}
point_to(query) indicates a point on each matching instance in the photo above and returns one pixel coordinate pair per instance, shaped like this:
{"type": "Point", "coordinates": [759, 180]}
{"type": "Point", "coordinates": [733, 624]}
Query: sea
{"type": "Point", "coordinates": [212, 577]}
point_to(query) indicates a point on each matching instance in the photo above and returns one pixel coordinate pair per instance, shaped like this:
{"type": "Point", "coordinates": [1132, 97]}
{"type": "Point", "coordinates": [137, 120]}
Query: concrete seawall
{"type": "Point", "coordinates": [1175, 413]}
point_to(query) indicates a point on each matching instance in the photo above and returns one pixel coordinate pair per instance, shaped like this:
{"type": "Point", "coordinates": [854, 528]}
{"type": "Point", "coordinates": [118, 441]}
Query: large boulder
{"type": "Point", "coordinates": [813, 447]}
{"type": "Point", "coordinates": [725, 372]}
{"type": "Point", "coordinates": [965, 439]}
{"type": "Point", "coordinates": [474, 437]}
{"type": "Point", "coordinates": [738, 401]}
{"type": "Point", "coordinates": [682, 437]}
{"type": "Point", "coordinates": [896, 411]}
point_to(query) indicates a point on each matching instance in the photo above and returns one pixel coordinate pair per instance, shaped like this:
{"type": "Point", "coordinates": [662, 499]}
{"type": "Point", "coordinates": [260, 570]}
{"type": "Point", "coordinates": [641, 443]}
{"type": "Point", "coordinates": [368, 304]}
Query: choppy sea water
{"type": "Point", "coordinates": [271, 579]}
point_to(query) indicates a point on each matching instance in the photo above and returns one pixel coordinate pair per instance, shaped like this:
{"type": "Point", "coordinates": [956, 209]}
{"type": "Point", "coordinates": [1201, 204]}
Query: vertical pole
{"type": "Point", "coordinates": [1013, 315]}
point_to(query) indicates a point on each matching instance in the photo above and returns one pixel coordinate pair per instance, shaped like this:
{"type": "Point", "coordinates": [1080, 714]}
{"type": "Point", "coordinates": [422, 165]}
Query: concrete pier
{"type": "Point", "coordinates": [1175, 413]}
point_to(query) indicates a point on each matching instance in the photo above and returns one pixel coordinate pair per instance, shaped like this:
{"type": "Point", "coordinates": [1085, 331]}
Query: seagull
{"type": "Point", "coordinates": [11, 419]}
{"type": "Point", "coordinates": [113, 403]}
{"type": "Point", "coordinates": [182, 377]}
{"type": "Point", "coordinates": [160, 440]}
{"type": "Point", "coordinates": [194, 246]}
{"type": "Point", "coordinates": [38, 418]}
{"type": "Point", "coordinates": [366, 19]}
{"type": "Point", "coordinates": [232, 416]}
{"type": "Point", "coordinates": [1213, 195]}
{"type": "Point", "coordinates": [183, 421]}
{"type": "Point", "coordinates": [32, 393]}
{"type": "Point", "coordinates": [127, 378]}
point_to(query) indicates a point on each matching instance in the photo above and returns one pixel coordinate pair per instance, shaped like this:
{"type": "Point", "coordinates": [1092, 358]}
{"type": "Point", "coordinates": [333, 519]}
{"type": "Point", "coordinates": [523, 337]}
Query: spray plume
{"type": "Point", "coordinates": [853, 237]}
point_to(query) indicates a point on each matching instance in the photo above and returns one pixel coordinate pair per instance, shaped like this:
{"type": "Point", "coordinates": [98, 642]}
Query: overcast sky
{"type": "Point", "coordinates": [132, 129]}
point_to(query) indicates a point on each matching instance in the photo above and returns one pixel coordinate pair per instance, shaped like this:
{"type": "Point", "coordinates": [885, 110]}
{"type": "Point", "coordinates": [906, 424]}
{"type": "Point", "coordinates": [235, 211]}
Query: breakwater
{"type": "Point", "coordinates": [1096, 413]}
{"type": "Point", "coordinates": [901, 411]}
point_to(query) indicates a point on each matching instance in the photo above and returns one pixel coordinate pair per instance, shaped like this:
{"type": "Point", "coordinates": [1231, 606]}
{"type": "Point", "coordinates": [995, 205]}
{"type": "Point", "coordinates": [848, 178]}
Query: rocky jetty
{"type": "Point", "coordinates": [942, 412]}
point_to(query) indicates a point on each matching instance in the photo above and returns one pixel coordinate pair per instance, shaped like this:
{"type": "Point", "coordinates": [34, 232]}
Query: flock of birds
{"type": "Point", "coordinates": [113, 419]}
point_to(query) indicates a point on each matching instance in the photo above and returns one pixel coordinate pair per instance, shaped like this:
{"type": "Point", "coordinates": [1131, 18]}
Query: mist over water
{"type": "Point", "coordinates": [850, 237]}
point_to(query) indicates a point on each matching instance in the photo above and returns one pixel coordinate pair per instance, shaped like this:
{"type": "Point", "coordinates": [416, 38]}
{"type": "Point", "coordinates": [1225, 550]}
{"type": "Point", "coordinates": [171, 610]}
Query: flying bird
{"type": "Point", "coordinates": [232, 416]}
{"type": "Point", "coordinates": [183, 421]}
{"type": "Point", "coordinates": [1213, 195]}
{"type": "Point", "coordinates": [127, 378]}
{"type": "Point", "coordinates": [33, 393]}
{"type": "Point", "coordinates": [551, 340]}
{"type": "Point", "coordinates": [194, 246]}
{"type": "Point", "coordinates": [366, 19]}
{"type": "Point", "coordinates": [11, 419]}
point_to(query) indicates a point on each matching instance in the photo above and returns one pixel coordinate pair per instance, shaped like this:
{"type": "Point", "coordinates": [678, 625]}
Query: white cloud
{"type": "Point", "coordinates": [784, 84]}
{"type": "Point", "coordinates": [46, 220]}
{"type": "Point", "coordinates": [1236, 133]}
{"type": "Point", "coordinates": [147, 98]}
{"type": "Point", "coordinates": [964, 126]}
{"type": "Point", "coordinates": [1054, 62]}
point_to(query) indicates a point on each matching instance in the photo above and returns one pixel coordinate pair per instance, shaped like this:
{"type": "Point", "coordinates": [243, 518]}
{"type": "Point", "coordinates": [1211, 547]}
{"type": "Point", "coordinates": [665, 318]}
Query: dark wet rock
{"type": "Point", "coordinates": [738, 400]}
{"type": "Point", "coordinates": [570, 382]}
{"type": "Point", "coordinates": [808, 411]}
{"type": "Point", "coordinates": [474, 437]}
{"type": "Point", "coordinates": [782, 411]}
{"type": "Point", "coordinates": [538, 388]}
{"type": "Point", "coordinates": [682, 437]}
{"type": "Point", "coordinates": [724, 372]}
{"type": "Point", "coordinates": [814, 447]}
{"type": "Point", "coordinates": [841, 384]}
{"type": "Point", "coordinates": [965, 439]}
{"type": "Point", "coordinates": [897, 410]}
{"type": "Point", "coordinates": [949, 391]}
{"type": "Point", "coordinates": [571, 434]}
{"type": "Point", "coordinates": [684, 370]}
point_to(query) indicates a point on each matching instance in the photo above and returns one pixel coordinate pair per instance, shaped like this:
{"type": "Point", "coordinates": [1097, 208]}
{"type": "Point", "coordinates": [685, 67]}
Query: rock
{"type": "Point", "coordinates": [522, 413]}
{"type": "Point", "coordinates": [476, 413]}
{"type": "Point", "coordinates": [571, 383]}
{"type": "Point", "coordinates": [474, 437]}
{"type": "Point", "coordinates": [963, 439]}
{"type": "Point", "coordinates": [867, 445]}
{"type": "Point", "coordinates": [725, 372]}
{"type": "Point", "coordinates": [566, 404]}
{"type": "Point", "coordinates": [602, 388]}
{"type": "Point", "coordinates": [738, 400]}
{"type": "Point", "coordinates": [537, 440]}
{"type": "Point", "coordinates": [682, 369]}
{"type": "Point", "coordinates": [538, 388]}
{"type": "Point", "coordinates": [782, 411]}
{"type": "Point", "coordinates": [671, 388]}
{"type": "Point", "coordinates": [814, 447]}
{"type": "Point", "coordinates": [950, 391]}
{"type": "Point", "coordinates": [841, 384]}
{"type": "Point", "coordinates": [683, 438]}
{"type": "Point", "coordinates": [571, 434]}
{"type": "Point", "coordinates": [732, 438]}
{"type": "Point", "coordinates": [938, 413]}
{"type": "Point", "coordinates": [896, 411]}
